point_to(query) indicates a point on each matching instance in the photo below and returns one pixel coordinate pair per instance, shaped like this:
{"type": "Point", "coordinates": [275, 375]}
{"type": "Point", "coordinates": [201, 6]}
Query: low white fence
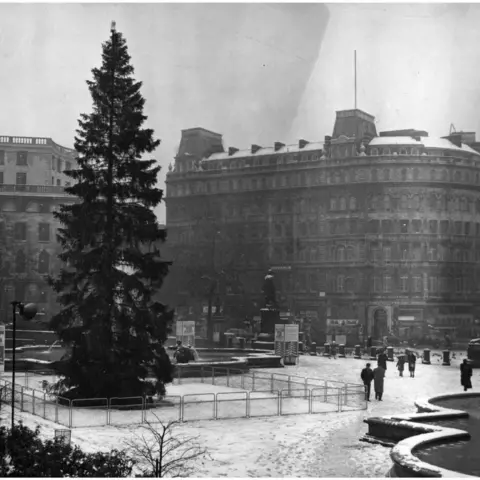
{"type": "Point", "coordinates": [257, 394]}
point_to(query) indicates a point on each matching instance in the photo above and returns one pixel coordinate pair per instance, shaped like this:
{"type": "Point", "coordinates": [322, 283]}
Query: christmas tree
{"type": "Point", "coordinates": [111, 260]}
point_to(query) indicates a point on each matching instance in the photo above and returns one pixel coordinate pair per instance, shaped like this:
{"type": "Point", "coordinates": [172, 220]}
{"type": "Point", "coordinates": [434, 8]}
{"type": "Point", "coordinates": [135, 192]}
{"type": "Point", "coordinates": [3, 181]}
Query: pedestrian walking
{"type": "Point", "coordinates": [382, 360]}
{"type": "Point", "coordinates": [466, 375]}
{"type": "Point", "coordinates": [367, 378]}
{"type": "Point", "coordinates": [378, 377]}
{"type": "Point", "coordinates": [412, 360]}
{"type": "Point", "coordinates": [401, 364]}
{"type": "Point", "coordinates": [333, 349]}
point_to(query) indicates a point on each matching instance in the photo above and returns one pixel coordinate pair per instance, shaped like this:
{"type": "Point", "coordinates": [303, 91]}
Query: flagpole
{"type": "Point", "coordinates": [355, 69]}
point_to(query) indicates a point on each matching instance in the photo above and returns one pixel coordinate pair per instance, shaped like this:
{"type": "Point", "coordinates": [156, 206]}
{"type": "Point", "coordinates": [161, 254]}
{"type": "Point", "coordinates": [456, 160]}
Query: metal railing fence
{"type": "Point", "coordinates": [257, 394]}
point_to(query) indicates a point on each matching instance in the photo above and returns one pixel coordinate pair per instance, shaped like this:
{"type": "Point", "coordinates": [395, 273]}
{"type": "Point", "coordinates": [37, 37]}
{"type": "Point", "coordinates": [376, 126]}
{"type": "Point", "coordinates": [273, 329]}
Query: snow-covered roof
{"type": "Point", "coordinates": [427, 142]}
{"type": "Point", "coordinates": [312, 146]}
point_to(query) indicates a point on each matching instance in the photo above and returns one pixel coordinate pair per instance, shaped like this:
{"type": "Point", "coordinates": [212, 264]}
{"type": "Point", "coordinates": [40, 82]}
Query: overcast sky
{"type": "Point", "coordinates": [257, 73]}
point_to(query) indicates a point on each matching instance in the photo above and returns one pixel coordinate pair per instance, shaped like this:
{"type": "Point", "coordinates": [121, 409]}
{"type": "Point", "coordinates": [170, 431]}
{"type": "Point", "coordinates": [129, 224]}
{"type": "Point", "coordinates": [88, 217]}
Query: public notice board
{"type": "Point", "coordinates": [286, 343]}
{"type": "Point", "coordinates": [185, 331]}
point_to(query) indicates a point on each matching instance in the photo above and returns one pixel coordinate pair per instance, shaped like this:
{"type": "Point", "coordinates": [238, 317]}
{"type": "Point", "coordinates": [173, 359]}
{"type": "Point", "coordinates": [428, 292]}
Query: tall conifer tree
{"type": "Point", "coordinates": [110, 238]}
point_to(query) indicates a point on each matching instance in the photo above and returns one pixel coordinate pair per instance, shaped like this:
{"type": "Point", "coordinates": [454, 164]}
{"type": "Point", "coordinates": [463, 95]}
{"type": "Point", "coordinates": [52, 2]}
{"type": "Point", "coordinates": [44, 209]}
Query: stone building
{"type": "Point", "coordinates": [31, 187]}
{"type": "Point", "coordinates": [367, 233]}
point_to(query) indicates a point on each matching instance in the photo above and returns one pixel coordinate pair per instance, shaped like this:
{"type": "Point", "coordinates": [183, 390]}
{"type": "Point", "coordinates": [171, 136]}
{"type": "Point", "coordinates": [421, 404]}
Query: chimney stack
{"type": "Point", "coordinates": [255, 148]}
{"type": "Point", "coordinates": [302, 143]}
{"type": "Point", "coordinates": [232, 151]}
{"type": "Point", "coordinates": [278, 146]}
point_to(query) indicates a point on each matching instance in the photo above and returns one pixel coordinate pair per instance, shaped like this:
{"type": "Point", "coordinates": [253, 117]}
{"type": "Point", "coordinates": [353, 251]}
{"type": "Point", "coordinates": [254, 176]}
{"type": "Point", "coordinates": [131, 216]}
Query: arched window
{"type": "Point", "coordinates": [349, 284]}
{"type": "Point", "coordinates": [404, 202]}
{"type": "Point", "coordinates": [340, 254]}
{"type": "Point", "coordinates": [444, 174]}
{"type": "Point", "coordinates": [353, 203]}
{"type": "Point", "coordinates": [404, 173]}
{"type": "Point", "coordinates": [416, 202]}
{"type": "Point", "coordinates": [374, 175]}
{"type": "Point", "coordinates": [416, 173]}
{"type": "Point", "coordinates": [403, 151]}
{"type": "Point", "coordinates": [433, 174]}
{"type": "Point", "coordinates": [20, 262]}
{"type": "Point", "coordinates": [333, 203]}
{"type": "Point", "coordinates": [343, 203]}
{"type": "Point", "coordinates": [386, 151]}
{"type": "Point", "coordinates": [374, 152]}
{"type": "Point", "coordinates": [350, 253]}
{"type": "Point", "coordinates": [386, 174]}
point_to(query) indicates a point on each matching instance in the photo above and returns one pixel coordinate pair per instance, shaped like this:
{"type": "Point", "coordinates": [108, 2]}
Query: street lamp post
{"type": "Point", "coordinates": [28, 312]}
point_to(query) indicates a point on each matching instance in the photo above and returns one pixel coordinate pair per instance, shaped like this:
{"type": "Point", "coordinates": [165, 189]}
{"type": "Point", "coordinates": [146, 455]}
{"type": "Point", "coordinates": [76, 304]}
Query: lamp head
{"type": "Point", "coordinates": [28, 311]}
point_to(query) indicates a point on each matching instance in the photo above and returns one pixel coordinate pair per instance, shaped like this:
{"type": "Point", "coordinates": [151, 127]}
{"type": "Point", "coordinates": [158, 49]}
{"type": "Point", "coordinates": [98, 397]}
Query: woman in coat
{"type": "Point", "coordinates": [466, 375]}
{"type": "Point", "coordinates": [401, 365]}
{"type": "Point", "coordinates": [378, 376]}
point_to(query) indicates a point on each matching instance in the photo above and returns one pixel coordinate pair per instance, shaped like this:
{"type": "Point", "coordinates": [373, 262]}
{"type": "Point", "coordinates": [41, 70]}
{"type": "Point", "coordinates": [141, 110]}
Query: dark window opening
{"type": "Point", "coordinates": [22, 159]}
{"type": "Point", "coordinates": [44, 232]}
{"type": "Point", "coordinates": [20, 231]}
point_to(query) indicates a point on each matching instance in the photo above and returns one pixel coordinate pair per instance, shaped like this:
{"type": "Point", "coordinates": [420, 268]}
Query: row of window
{"type": "Point", "coordinates": [20, 231]}
{"type": "Point", "coordinates": [22, 161]}
{"type": "Point", "coordinates": [21, 179]}
{"type": "Point", "coordinates": [33, 292]}
{"type": "Point", "coordinates": [404, 284]}
{"type": "Point", "coordinates": [297, 179]}
{"type": "Point", "coordinates": [43, 266]}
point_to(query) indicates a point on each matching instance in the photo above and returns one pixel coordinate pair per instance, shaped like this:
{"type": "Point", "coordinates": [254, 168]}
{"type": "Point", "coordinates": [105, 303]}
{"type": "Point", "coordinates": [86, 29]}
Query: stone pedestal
{"type": "Point", "coordinates": [358, 353]}
{"type": "Point", "coordinates": [241, 342]}
{"type": "Point", "coordinates": [313, 348]}
{"type": "Point", "coordinates": [373, 353]}
{"type": "Point", "coordinates": [326, 350]}
{"type": "Point", "coordinates": [390, 354]}
{"type": "Point", "coordinates": [426, 357]}
{"type": "Point", "coordinates": [341, 351]}
{"type": "Point", "coordinates": [269, 318]}
{"type": "Point", "coordinates": [446, 358]}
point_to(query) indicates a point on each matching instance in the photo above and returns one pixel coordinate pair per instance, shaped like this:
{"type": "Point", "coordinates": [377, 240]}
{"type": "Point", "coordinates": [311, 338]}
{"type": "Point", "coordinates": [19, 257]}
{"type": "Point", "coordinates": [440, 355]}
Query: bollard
{"type": "Point", "coordinates": [390, 354]}
{"type": "Point", "coordinates": [326, 349]}
{"type": "Point", "coordinates": [426, 357]}
{"type": "Point", "coordinates": [230, 341]}
{"type": "Point", "coordinates": [357, 354]}
{"type": "Point", "coordinates": [446, 358]}
{"type": "Point", "coordinates": [341, 351]}
{"type": "Point", "coordinates": [241, 343]}
{"type": "Point", "coordinates": [313, 348]}
{"type": "Point", "coordinates": [373, 353]}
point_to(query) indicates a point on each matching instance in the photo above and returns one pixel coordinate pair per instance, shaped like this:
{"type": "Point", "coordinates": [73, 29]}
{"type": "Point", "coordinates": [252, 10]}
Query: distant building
{"type": "Point", "coordinates": [367, 234]}
{"type": "Point", "coordinates": [31, 187]}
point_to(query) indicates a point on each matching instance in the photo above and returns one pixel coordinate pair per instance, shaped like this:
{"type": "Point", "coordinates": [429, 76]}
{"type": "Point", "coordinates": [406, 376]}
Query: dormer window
{"type": "Point", "coordinates": [386, 151]}
{"type": "Point", "coordinates": [374, 152]}
{"type": "Point", "coordinates": [403, 151]}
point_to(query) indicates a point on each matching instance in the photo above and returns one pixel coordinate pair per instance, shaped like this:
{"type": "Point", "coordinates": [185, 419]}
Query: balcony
{"type": "Point", "coordinates": [29, 190]}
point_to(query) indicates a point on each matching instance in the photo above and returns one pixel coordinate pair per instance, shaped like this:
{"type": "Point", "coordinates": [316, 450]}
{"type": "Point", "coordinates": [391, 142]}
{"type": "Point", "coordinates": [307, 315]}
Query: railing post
{"type": "Point", "coordinates": [215, 406]}
{"type": "Point", "coordinates": [56, 411]}
{"type": "Point", "coordinates": [21, 399]}
{"type": "Point", "coordinates": [271, 382]}
{"type": "Point", "coordinates": [339, 399]}
{"type": "Point", "coordinates": [247, 412]}
{"type": "Point", "coordinates": [253, 381]}
{"type": "Point", "coordinates": [310, 401]}
{"type": "Point", "coordinates": [44, 405]}
{"type": "Point", "coordinates": [289, 386]}
{"type": "Point", "coordinates": [202, 372]}
{"type": "Point", "coordinates": [346, 394]}
{"type": "Point", "coordinates": [33, 402]}
{"type": "Point", "coordinates": [228, 377]}
{"type": "Point", "coordinates": [325, 391]}
{"type": "Point", "coordinates": [70, 414]}
{"type": "Point", "coordinates": [243, 381]}
{"type": "Point", "coordinates": [182, 409]}
{"type": "Point", "coordinates": [306, 387]}
{"type": "Point", "coordinates": [213, 375]}
{"type": "Point", "coordinates": [280, 402]}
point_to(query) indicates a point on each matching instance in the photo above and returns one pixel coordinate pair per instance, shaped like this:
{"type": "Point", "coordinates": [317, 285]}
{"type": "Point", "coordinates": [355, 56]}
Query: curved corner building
{"type": "Point", "coordinates": [368, 234]}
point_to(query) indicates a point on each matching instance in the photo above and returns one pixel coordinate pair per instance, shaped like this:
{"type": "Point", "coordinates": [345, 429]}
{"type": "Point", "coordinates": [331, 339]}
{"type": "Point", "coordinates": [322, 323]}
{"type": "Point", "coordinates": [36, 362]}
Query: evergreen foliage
{"type": "Point", "coordinates": [109, 238]}
{"type": "Point", "coordinates": [24, 454]}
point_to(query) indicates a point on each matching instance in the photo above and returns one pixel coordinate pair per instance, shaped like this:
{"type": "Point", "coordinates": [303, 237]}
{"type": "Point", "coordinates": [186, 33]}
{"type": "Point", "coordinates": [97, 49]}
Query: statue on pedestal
{"type": "Point", "coordinates": [269, 290]}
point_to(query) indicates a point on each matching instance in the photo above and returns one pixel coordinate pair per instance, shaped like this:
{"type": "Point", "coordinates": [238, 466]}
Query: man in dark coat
{"type": "Point", "coordinates": [367, 378]}
{"type": "Point", "coordinates": [382, 360]}
{"type": "Point", "coordinates": [466, 375]}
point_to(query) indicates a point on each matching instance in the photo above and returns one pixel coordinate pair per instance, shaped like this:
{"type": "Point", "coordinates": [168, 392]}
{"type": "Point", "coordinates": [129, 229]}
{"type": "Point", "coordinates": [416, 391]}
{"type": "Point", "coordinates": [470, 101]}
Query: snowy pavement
{"type": "Point", "coordinates": [322, 445]}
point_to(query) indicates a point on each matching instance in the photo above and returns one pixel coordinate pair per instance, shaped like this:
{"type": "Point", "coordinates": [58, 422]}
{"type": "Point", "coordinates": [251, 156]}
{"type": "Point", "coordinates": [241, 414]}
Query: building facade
{"type": "Point", "coordinates": [32, 182]}
{"type": "Point", "coordinates": [367, 233]}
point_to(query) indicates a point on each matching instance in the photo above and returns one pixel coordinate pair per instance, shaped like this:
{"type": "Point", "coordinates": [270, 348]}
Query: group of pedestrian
{"type": "Point", "coordinates": [377, 376]}
{"type": "Point", "coordinates": [408, 358]}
